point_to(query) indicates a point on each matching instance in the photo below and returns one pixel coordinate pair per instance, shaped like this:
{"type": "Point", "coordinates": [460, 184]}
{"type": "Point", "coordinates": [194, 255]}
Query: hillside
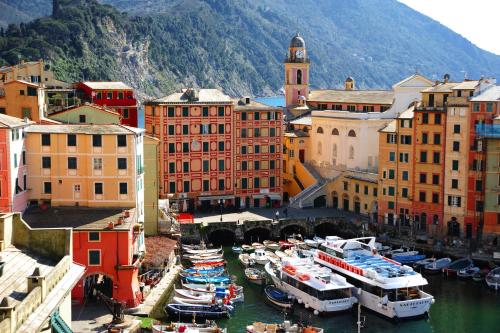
{"type": "Point", "coordinates": [164, 44]}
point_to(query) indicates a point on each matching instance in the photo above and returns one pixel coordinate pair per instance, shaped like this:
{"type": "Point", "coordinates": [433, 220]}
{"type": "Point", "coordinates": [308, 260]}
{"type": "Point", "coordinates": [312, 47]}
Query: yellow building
{"type": "Point", "coordinates": [36, 72]}
{"type": "Point", "coordinates": [151, 182]}
{"type": "Point", "coordinates": [87, 114]}
{"type": "Point", "coordinates": [86, 165]}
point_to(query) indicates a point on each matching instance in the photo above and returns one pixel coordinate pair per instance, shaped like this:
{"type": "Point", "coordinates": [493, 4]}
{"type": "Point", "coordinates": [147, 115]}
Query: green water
{"type": "Point", "coordinates": [461, 306]}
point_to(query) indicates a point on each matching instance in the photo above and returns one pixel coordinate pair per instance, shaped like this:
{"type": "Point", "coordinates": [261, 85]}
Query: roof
{"type": "Point", "coordinates": [466, 85]}
{"type": "Point", "coordinates": [390, 128]}
{"type": "Point", "coordinates": [305, 120]}
{"type": "Point", "coordinates": [9, 121]}
{"type": "Point", "coordinates": [352, 96]}
{"type": "Point", "coordinates": [107, 85]}
{"type": "Point", "coordinates": [85, 129]}
{"type": "Point", "coordinates": [93, 106]}
{"type": "Point", "coordinates": [241, 105]}
{"type": "Point", "coordinates": [195, 96]}
{"type": "Point", "coordinates": [363, 176]}
{"type": "Point", "coordinates": [23, 82]}
{"type": "Point", "coordinates": [158, 250]}
{"type": "Point", "coordinates": [296, 134]}
{"type": "Point", "coordinates": [491, 94]}
{"type": "Point", "coordinates": [441, 88]}
{"type": "Point", "coordinates": [297, 41]}
{"type": "Point", "coordinates": [79, 218]}
{"type": "Point", "coordinates": [407, 114]}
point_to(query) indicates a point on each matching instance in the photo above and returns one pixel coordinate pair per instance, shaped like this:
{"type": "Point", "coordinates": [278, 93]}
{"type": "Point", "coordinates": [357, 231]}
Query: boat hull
{"type": "Point", "coordinates": [397, 310]}
{"type": "Point", "coordinates": [199, 311]}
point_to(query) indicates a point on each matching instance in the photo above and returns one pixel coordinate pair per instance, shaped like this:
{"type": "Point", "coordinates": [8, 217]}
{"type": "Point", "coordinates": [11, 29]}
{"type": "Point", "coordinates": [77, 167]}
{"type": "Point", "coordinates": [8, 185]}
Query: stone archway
{"type": "Point", "coordinates": [257, 234]}
{"type": "Point", "coordinates": [290, 229]}
{"type": "Point", "coordinates": [222, 236]}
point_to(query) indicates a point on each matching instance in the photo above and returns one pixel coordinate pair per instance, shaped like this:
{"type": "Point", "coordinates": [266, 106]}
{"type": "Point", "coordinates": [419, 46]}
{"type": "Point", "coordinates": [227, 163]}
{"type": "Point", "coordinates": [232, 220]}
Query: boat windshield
{"type": "Point", "coordinates": [320, 294]}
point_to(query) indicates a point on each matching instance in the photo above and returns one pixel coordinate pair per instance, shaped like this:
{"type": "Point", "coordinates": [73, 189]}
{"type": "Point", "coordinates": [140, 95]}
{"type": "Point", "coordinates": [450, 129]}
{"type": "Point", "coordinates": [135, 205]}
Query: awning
{"type": "Point", "coordinates": [272, 196]}
{"type": "Point", "coordinates": [216, 197]}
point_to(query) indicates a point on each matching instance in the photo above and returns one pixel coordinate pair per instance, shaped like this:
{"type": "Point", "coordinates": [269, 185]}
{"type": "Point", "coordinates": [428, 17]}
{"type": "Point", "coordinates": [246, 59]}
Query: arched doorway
{"type": "Point", "coordinates": [357, 205]}
{"type": "Point", "coordinates": [97, 282]}
{"type": "Point", "coordinates": [345, 202]}
{"type": "Point", "coordinates": [335, 200]}
{"type": "Point", "coordinates": [292, 229]}
{"type": "Point", "coordinates": [320, 201]}
{"type": "Point", "coordinates": [222, 237]}
{"type": "Point", "coordinates": [258, 234]}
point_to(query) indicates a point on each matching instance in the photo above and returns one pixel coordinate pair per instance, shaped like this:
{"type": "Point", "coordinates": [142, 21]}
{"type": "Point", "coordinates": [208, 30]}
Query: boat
{"type": "Point", "coordinates": [467, 273]}
{"type": "Point", "coordinates": [184, 274]}
{"type": "Point", "coordinates": [272, 256]}
{"type": "Point", "coordinates": [211, 288]}
{"type": "Point", "coordinates": [480, 276]}
{"type": "Point", "coordinates": [199, 311]}
{"type": "Point", "coordinates": [255, 275]}
{"type": "Point", "coordinates": [437, 266]}
{"type": "Point", "coordinates": [318, 240]}
{"type": "Point", "coordinates": [198, 258]}
{"type": "Point", "coordinates": [189, 301]}
{"type": "Point", "coordinates": [208, 262]}
{"type": "Point", "coordinates": [384, 285]}
{"type": "Point", "coordinates": [204, 271]}
{"type": "Point", "coordinates": [422, 263]}
{"type": "Point", "coordinates": [270, 245]}
{"type": "Point", "coordinates": [220, 293]}
{"type": "Point", "coordinates": [257, 246]}
{"type": "Point", "coordinates": [408, 259]}
{"type": "Point", "coordinates": [237, 249]}
{"type": "Point", "coordinates": [382, 249]}
{"type": "Point", "coordinates": [458, 265]}
{"type": "Point", "coordinates": [259, 256]}
{"type": "Point", "coordinates": [201, 246]}
{"type": "Point", "coordinates": [247, 248]}
{"type": "Point", "coordinates": [311, 243]}
{"type": "Point", "coordinates": [280, 254]}
{"type": "Point", "coordinates": [279, 298]}
{"type": "Point", "coordinates": [202, 251]}
{"type": "Point", "coordinates": [285, 245]}
{"type": "Point", "coordinates": [207, 327]}
{"type": "Point", "coordinates": [493, 278]}
{"type": "Point", "coordinates": [208, 279]}
{"type": "Point", "coordinates": [318, 288]}
{"type": "Point", "coordinates": [286, 327]}
{"type": "Point", "coordinates": [245, 260]}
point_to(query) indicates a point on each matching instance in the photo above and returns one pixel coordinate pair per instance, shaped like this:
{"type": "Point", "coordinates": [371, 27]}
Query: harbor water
{"type": "Point", "coordinates": [461, 306]}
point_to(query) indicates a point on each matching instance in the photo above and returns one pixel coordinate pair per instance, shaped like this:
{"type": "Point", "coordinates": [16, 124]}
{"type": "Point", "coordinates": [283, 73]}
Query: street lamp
{"type": "Point", "coordinates": [221, 204]}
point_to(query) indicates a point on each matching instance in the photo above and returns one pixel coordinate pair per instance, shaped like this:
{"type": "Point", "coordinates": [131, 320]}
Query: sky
{"type": "Point", "coordinates": [476, 20]}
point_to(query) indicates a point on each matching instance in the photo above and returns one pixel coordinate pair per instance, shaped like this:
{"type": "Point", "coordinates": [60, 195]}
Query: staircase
{"type": "Point", "coordinates": [58, 324]}
{"type": "Point", "coordinates": [306, 198]}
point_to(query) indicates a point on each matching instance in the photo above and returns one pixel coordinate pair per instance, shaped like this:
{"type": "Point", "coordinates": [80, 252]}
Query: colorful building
{"type": "Point", "coordinates": [297, 66]}
{"type": "Point", "coordinates": [114, 95]}
{"type": "Point", "coordinates": [13, 170]}
{"type": "Point", "coordinates": [36, 72]}
{"type": "Point", "coordinates": [86, 165]}
{"type": "Point", "coordinates": [151, 183]}
{"type": "Point", "coordinates": [22, 99]}
{"type": "Point", "coordinates": [87, 114]}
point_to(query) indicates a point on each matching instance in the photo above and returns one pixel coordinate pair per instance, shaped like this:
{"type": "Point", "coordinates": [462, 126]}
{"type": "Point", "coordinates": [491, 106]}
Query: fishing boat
{"type": "Point", "coordinates": [437, 266]}
{"type": "Point", "coordinates": [279, 298]}
{"type": "Point", "coordinates": [208, 279]}
{"type": "Point", "coordinates": [207, 274]}
{"type": "Point", "coordinates": [255, 276]}
{"type": "Point", "coordinates": [273, 256]}
{"type": "Point", "coordinates": [204, 271]}
{"type": "Point", "coordinates": [422, 263]}
{"type": "Point", "coordinates": [281, 254]}
{"type": "Point", "coordinates": [318, 288]}
{"type": "Point", "coordinates": [245, 260]}
{"type": "Point", "coordinates": [285, 245]}
{"type": "Point", "coordinates": [457, 265]}
{"type": "Point", "coordinates": [212, 256]}
{"type": "Point", "coordinates": [270, 245]}
{"type": "Point", "coordinates": [218, 293]}
{"type": "Point", "coordinates": [207, 327]}
{"type": "Point", "coordinates": [286, 327]}
{"type": "Point", "coordinates": [208, 262]}
{"type": "Point", "coordinates": [493, 278]}
{"type": "Point", "coordinates": [259, 256]}
{"type": "Point", "coordinates": [189, 301]}
{"type": "Point", "coordinates": [202, 251]}
{"type": "Point", "coordinates": [467, 273]}
{"type": "Point", "coordinates": [247, 248]}
{"type": "Point", "coordinates": [237, 249]}
{"type": "Point", "coordinates": [211, 288]}
{"type": "Point", "coordinates": [201, 246]}
{"type": "Point", "coordinates": [199, 311]}
{"type": "Point", "coordinates": [384, 285]}
{"type": "Point", "coordinates": [408, 259]}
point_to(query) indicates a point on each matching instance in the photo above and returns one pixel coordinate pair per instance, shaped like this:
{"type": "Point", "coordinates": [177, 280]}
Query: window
{"type": "Point", "coordinates": [171, 111]}
{"type": "Point", "coordinates": [109, 95]}
{"type": "Point", "coordinates": [94, 236]}
{"type": "Point", "coordinates": [205, 146]}
{"type": "Point", "coordinates": [94, 257]}
{"type": "Point", "coordinates": [71, 140]}
{"type": "Point", "coordinates": [186, 186]}
{"type": "Point", "coordinates": [436, 157]}
{"type": "Point", "coordinates": [244, 165]}
{"type": "Point", "coordinates": [435, 179]}
{"type": "Point", "coordinates": [454, 165]}
{"type": "Point", "coordinates": [336, 132]}
{"type": "Point", "coordinates": [392, 156]}
{"type": "Point", "coordinates": [171, 187]}
{"type": "Point", "coordinates": [479, 206]}
{"type": "Point", "coordinates": [171, 129]}
{"type": "Point", "coordinates": [475, 107]}
{"type": "Point", "coordinates": [98, 188]}
{"type": "Point", "coordinates": [99, 95]}
{"type": "Point", "coordinates": [185, 166]}
{"type": "Point", "coordinates": [185, 129]}
{"type": "Point", "coordinates": [123, 188]}
{"type": "Point", "coordinates": [46, 162]}
{"type": "Point", "coordinates": [120, 95]}
{"type": "Point", "coordinates": [256, 149]}
{"type": "Point", "coordinates": [243, 116]}
{"type": "Point", "coordinates": [171, 148]}
{"type": "Point", "coordinates": [220, 111]}
{"type": "Point", "coordinates": [221, 165]}
{"type": "Point", "coordinates": [185, 147]}
{"type": "Point", "coordinates": [272, 182]}
{"type": "Point", "coordinates": [454, 201]}
{"type": "Point", "coordinates": [391, 138]}
{"type": "Point", "coordinates": [206, 185]}
{"type": "Point", "coordinates": [404, 157]}
{"type": "Point", "coordinates": [272, 132]}
{"type": "Point", "coordinates": [82, 118]}
{"type": "Point", "coordinates": [479, 185]}
{"type": "Point", "coordinates": [423, 157]}
{"type": "Point", "coordinates": [356, 188]}
{"type": "Point", "coordinates": [122, 163]}
{"type": "Point", "coordinates": [319, 130]}
{"type": "Point", "coordinates": [425, 138]}
{"type": "Point", "coordinates": [171, 167]}
{"type": "Point", "coordinates": [221, 128]}
{"type": "Point", "coordinates": [425, 118]}
{"type": "Point", "coordinates": [456, 146]}
{"type": "Point", "coordinates": [406, 139]}
{"type": "Point", "coordinates": [256, 182]}
{"type": "Point", "coordinates": [272, 164]}
{"type": "Point", "coordinates": [21, 92]}
{"type": "Point", "coordinates": [221, 184]}
{"type": "Point", "coordinates": [244, 183]}
{"type": "Point", "coordinates": [437, 138]}
{"type": "Point", "coordinates": [243, 150]}
{"type": "Point", "coordinates": [437, 119]}
{"type": "Point", "coordinates": [351, 108]}
{"type": "Point", "coordinates": [45, 139]}
{"type": "Point", "coordinates": [221, 145]}
{"type": "Point", "coordinates": [456, 129]}
{"type": "Point", "coordinates": [390, 190]}
{"type": "Point", "coordinates": [375, 192]}
{"type": "Point", "coordinates": [256, 165]}
{"type": "Point", "coordinates": [72, 164]}
{"type": "Point", "coordinates": [498, 199]}
{"type": "Point", "coordinates": [272, 149]}
{"type": "Point", "coordinates": [256, 132]}
{"type": "Point", "coordinates": [391, 173]}
{"type": "Point", "coordinates": [352, 134]}
{"type": "Point", "coordinates": [421, 196]}
{"type": "Point", "coordinates": [243, 132]}
{"type": "Point", "coordinates": [404, 175]}
{"type": "Point", "coordinates": [404, 192]}
{"type": "Point", "coordinates": [206, 166]}
{"type": "Point", "coordinates": [185, 111]}
{"type": "Point", "coordinates": [97, 140]}
{"type": "Point", "coordinates": [489, 106]}
{"type": "Point", "coordinates": [205, 111]}
{"type": "Point", "coordinates": [422, 178]}
{"type": "Point", "coordinates": [97, 163]}
{"type": "Point", "coordinates": [47, 187]}
{"type": "Point", "coordinates": [454, 183]}
{"type": "Point", "coordinates": [15, 160]}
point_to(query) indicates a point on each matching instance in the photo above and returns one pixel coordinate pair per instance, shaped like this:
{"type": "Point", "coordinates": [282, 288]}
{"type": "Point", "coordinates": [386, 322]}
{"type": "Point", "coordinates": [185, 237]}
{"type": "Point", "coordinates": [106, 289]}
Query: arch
{"type": "Point", "coordinates": [222, 236]}
{"type": "Point", "coordinates": [257, 234]}
{"type": "Point", "coordinates": [326, 229]}
{"type": "Point", "coordinates": [335, 200]}
{"type": "Point", "coordinates": [335, 131]}
{"type": "Point", "coordinates": [319, 130]}
{"type": "Point", "coordinates": [320, 148]}
{"type": "Point", "coordinates": [334, 150]}
{"type": "Point", "coordinates": [291, 229]}
{"type": "Point", "coordinates": [357, 205]}
{"type": "Point", "coordinates": [299, 76]}
{"type": "Point", "coordinates": [352, 134]}
{"type": "Point", "coordinates": [320, 201]}
{"type": "Point", "coordinates": [93, 280]}
{"type": "Point", "coordinates": [305, 129]}
{"type": "Point", "coordinates": [345, 202]}
{"type": "Point", "coordinates": [351, 152]}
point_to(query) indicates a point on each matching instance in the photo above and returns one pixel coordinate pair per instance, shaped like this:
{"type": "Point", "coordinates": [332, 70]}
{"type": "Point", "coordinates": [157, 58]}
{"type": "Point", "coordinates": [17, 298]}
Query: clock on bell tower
{"type": "Point", "coordinates": [296, 72]}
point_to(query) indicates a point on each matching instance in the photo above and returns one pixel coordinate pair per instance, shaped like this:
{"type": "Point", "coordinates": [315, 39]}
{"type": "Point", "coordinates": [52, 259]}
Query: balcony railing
{"type": "Point", "coordinates": [488, 131]}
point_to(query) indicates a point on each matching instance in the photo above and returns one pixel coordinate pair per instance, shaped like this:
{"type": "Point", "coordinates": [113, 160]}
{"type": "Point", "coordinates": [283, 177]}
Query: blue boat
{"type": "Point", "coordinates": [199, 311]}
{"type": "Point", "coordinates": [208, 279]}
{"type": "Point", "coordinates": [278, 297]}
{"type": "Point", "coordinates": [410, 259]}
{"type": "Point", "coordinates": [237, 249]}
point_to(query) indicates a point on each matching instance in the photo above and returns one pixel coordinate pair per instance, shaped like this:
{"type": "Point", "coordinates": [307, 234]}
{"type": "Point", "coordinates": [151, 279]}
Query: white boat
{"type": "Point", "coordinates": [257, 246]}
{"type": "Point", "coordinates": [281, 254]}
{"type": "Point", "coordinates": [259, 256]}
{"type": "Point", "coordinates": [211, 288]}
{"type": "Point", "coordinates": [208, 327]}
{"type": "Point", "coordinates": [493, 278]}
{"type": "Point", "coordinates": [210, 256]}
{"type": "Point", "coordinates": [188, 301]}
{"type": "Point", "coordinates": [270, 245]}
{"type": "Point", "coordinates": [245, 260]}
{"type": "Point", "coordinates": [384, 285]}
{"type": "Point", "coordinates": [314, 286]}
{"type": "Point", "coordinates": [286, 327]}
{"type": "Point", "coordinates": [398, 253]}
{"type": "Point", "coordinates": [273, 256]}
{"type": "Point", "coordinates": [437, 266]}
{"type": "Point", "coordinates": [424, 262]}
{"type": "Point", "coordinates": [311, 243]}
{"type": "Point", "coordinates": [255, 275]}
{"type": "Point", "coordinates": [318, 240]}
{"type": "Point", "coordinates": [202, 251]}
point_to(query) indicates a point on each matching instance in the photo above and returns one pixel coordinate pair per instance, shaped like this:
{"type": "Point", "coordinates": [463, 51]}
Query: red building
{"type": "Point", "coordinates": [108, 242]}
{"type": "Point", "coordinates": [115, 95]}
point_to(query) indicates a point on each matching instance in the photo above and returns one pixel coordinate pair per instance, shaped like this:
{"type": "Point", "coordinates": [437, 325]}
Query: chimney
{"type": "Point", "coordinates": [247, 100]}
{"type": "Point", "coordinates": [37, 280]}
{"type": "Point", "coordinates": [446, 78]}
{"type": "Point", "coordinates": [349, 83]}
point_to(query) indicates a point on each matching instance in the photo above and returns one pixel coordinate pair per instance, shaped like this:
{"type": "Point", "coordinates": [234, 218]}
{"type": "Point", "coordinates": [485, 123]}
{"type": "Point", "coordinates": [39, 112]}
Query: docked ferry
{"type": "Point", "coordinates": [384, 285]}
{"type": "Point", "coordinates": [314, 286]}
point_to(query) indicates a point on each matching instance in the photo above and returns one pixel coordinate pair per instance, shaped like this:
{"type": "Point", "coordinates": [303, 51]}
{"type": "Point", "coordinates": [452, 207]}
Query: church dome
{"type": "Point", "coordinates": [349, 79]}
{"type": "Point", "coordinates": [297, 41]}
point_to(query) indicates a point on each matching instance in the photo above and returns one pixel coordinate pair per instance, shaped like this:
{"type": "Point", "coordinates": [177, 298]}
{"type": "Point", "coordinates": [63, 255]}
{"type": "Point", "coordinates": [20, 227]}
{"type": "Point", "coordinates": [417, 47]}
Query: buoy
{"type": "Point", "coordinates": [299, 301]}
{"type": "Point", "coordinates": [306, 306]}
{"type": "Point", "coordinates": [316, 312]}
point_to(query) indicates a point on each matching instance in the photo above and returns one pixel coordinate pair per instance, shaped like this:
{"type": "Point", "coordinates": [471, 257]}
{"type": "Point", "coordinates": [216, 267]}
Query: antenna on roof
{"type": "Point", "coordinates": [465, 74]}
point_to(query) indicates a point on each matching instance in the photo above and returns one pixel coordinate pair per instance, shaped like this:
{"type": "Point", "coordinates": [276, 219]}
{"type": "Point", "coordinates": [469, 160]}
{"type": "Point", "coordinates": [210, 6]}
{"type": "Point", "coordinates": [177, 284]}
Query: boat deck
{"type": "Point", "coordinates": [383, 267]}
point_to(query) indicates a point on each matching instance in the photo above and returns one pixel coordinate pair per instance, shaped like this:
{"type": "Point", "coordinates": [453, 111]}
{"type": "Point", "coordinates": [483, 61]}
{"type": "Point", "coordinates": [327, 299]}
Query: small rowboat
{"type": "Point", "coordinates": [408, 259]}
{"type": "Point", "coordinates": [272, 256]}
{"type": "Point", "coordinates": [203, 257]}
{"type": "Point", "coordinates": [211, 288]}
{"type": "Point", "coordinates": [423, 262]}
{"type": "Point", "coordinates": [209, 327]}
{"type": "Point", "coordinates": [281, 254]}
{"type": "Point", "coordinates": [208, 262]}
{"type": "Point", "coordinates": [245, 260]}
{"type": "Point", "coordinates": [199, 311]}
{"type": "Point", "coordinates": [247, 248]}
{"type": "Point", "coordinates": [437, 266]}
{"type": "Point", "coordinates": [202, 251]}
{"type": "Point", "coordinates": [255, 275]}
{"type": "Point", "coordinates": [237, 249]}
{"type": "Point", "coordinates": [204, 271]}
{"type": "Point", "coordinates": [208, 279]}
{"type": "Point", "coordinates": [285, 244]}
{"type": "Point", "coordinates": [457, 266]}
{"type": "Point", "coordinates": [257, 246]}
{"type": "Point", "coordinates": [190, 301]}
{"type": "Point", "coordinates": [286, 327]}
{"type": "Point", "coordinates": [273, 246]}
{"type": "Point", "coordinates": [206, 296]}
{"type": "Point", "coordinates": [493, 279]}
{"type": "Point", "coordinates": [278, 297]}
{"type": "Point", "coordinates": [311, 243]}
{"type": "Point", "coordinates": [480, 276]}
{"type": "Point", "coordinates": [468, 272]}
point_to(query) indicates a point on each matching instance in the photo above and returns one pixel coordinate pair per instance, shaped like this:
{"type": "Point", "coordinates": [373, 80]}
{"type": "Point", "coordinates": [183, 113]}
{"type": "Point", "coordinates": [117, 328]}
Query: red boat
{"type": "Point", "coordinates": [285, 245]}
{"type": "Point", "coordinates": [210, 262]}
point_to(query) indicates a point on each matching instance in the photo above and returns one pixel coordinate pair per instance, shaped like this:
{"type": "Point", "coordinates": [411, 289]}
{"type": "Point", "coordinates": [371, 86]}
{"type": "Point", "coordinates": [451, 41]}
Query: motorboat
{"type": "Point", "coordinates": [385, 286]}
{"type": "Point", "coordinates": [199, 311]}
{"type": "Point", "coordinates": [255, 276]}
{"type": "Point", "coordinates": [208, 262]}
{"type": "Point", "coordinates": [285, 245]}
{"type": "Point", "coordinates": [280, 254]}
{"type": "Point", "coordinates": [318, 239]}
{"type": "Point", "coordinates": [311, 243]}
{"type": "Point", "coordinates": [286, 327]}
{"type": "Point", "coordinates": [201, 246]}
{"type": "Point", "coordinates": [422, 263]}
{"type": "Point", "coordinates": [189, 301]}
{"type": "Point", "coordinates": [246, 260]}
{"type": "Point", "coordinates": [408, 259]}
{"type": "Point", "coordinates": [272, 256]}
{"type": "Point", "coordinates": [218, 293]}
{"type": "Point", "coordinates": [316, 287]}
{"type": "Point", "coordinates": [211, 288]}
{"type": "Point", "coordinates": [437, 266]}
{"type": "Point", "coordinates": [458, 265]}
{"type": "Point", "coordinates": [204, 271]}
{"type": "Point", "coordinates": [202, 251]}
{"type": "Point", "coordinates": [467, 273]}
{"type": "Point", "coordinates": [219, 280]}
{"type": "Point", "coordinates": [279, 298]}
{"type": "Point", "coordinates": [382, 249]}
{"type": "Point", "coordinates": [237, 249]}
{"type": "Point", "coordinates": [270, 245]}
{"type": "Point", "coordinates": [480, 276]}
{"type": "Point", "coordinates": [493, 278]}
{"type": "Point", "coordinates": [207, 327]}
{"type": "Point", "coordinates": [258, 246]}
{"type": "Point", "coordinates": [211, 256]}
{"type": "Point", "coordinates": [247, 248]}
{"type": "Point", "coordinates": [259, 256]}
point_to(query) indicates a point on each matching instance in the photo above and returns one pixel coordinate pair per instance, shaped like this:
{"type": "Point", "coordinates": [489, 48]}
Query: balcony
{"type": "Point", "coordinates": [462, 101]}
{"type": "Point", "coordinates": [491, 131]}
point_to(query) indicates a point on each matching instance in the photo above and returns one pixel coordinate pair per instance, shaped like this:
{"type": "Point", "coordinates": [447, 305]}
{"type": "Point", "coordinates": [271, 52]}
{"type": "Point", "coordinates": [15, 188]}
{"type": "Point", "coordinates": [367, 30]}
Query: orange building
{"type": "Point", "coordinates": [22, 99]}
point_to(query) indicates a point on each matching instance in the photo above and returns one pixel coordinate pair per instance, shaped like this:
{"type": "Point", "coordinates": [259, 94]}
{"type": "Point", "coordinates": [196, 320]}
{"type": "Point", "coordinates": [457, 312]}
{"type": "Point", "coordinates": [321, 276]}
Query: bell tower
{"type": "Point", "coordinates": [296, 73]}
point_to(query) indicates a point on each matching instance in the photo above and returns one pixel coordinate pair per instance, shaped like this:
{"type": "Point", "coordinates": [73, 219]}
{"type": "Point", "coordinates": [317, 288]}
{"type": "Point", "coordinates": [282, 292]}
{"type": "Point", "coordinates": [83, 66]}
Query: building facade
{"type": "Point", "coordinates": [22, 99]}
{"type": "Point", "coordinates": [87, 114]}
{"type": "Point", "coordinates": [36, 72]}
